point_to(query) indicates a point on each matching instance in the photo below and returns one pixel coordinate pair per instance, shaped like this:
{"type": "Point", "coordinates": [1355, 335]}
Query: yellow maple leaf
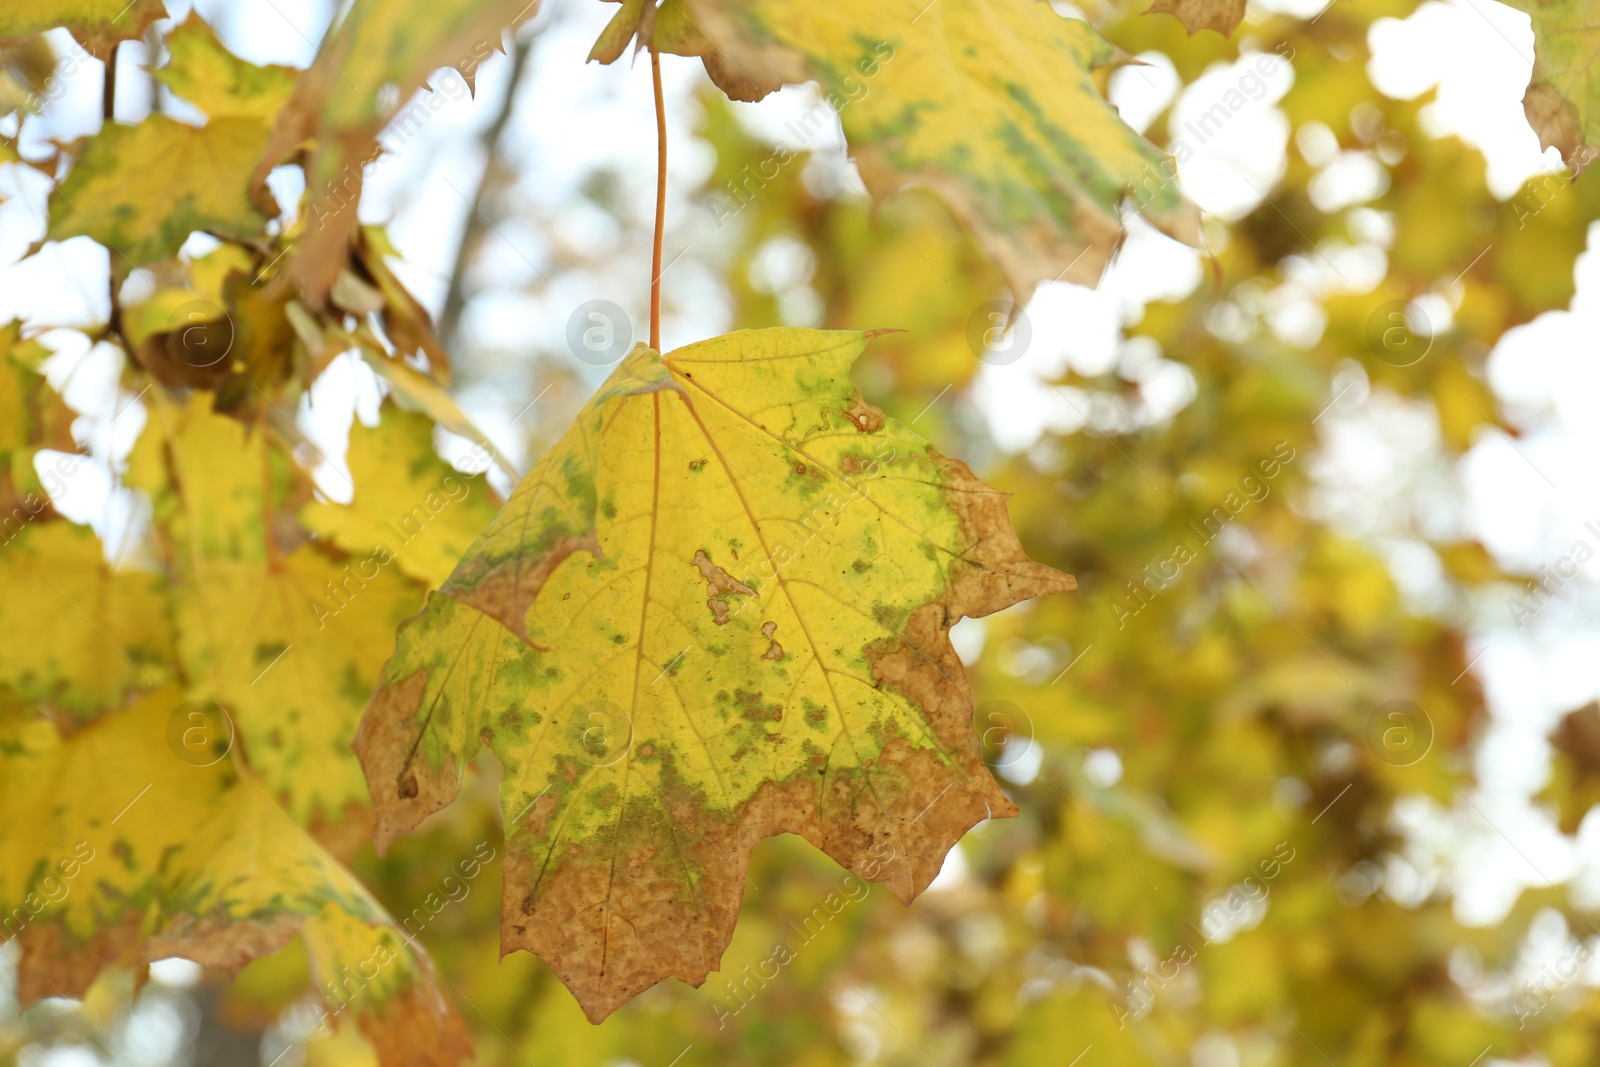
{"type": "Point", "coordinates": [79, 633]}
{"type": "Point", "coordinates": [291, 647]}
{"type": "Point", "coordinates": [989, 103]}
{"type": "Point", "coordinates": [408, 501]}
{"type": "Point", "coordinates": [288, 641]}
{"type": "Point", "coordinates": [142, 190]}
{"type": "Point", "coordinates": [218, 82]}
{"type": "Point", "coordinates": [117, 850]}
{"type": "Point", "coordinates": [717, 610]}
{"type": "Point", "coordinates": [32, 415]}
{"type": "Point", "coordinates": [100, 25]}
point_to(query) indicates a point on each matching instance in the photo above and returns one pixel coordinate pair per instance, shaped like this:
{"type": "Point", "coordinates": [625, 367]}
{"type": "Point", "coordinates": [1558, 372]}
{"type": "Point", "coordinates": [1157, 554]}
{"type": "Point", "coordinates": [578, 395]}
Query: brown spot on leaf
{"type": "Point", "coordinates": [774, 650]}
{"type": "Point", "coordinates": [863, 416]}
{"type": "Point", "coordinates": [537, 816]}
{"type": "Point", "coordinates": [54, 963]}
{"type": "Point", "coordinates": [720, 584]}
{"type": "Point", "coordinates": [504, 589]}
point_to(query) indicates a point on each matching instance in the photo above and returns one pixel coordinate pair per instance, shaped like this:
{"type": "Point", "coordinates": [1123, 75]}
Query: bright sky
{"type": "Point", "coordinates": [1528, 500]}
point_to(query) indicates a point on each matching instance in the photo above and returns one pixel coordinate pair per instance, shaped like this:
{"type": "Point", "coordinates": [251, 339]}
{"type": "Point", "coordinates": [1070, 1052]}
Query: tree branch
{"type": "Point", "coordinates": [455, 300]}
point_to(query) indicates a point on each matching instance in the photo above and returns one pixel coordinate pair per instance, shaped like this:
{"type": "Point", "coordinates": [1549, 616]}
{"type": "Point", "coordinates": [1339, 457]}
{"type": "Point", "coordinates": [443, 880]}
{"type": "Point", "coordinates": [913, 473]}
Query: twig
{"type": "Point", "coordinates": [108, 87]}
{"type": "Point", "coordinates": [455, 300]}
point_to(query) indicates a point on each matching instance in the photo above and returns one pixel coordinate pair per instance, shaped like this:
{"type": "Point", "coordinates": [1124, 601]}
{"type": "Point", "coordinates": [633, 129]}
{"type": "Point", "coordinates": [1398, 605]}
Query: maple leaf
{"type": "Point", "coordinates": [1563, 96]}
{"type": "Point", "coordinates": [375, 58]}
{"type": "Point", "coordinates": [421, 392]}
{"type": "Point", "coordinates": [114, 851]}
{"type": "Point", "coordinates": [79, 633]}
{"type": "Point", "coordinates": [142, 190]}
{"type": "Point", "coordinates": [418, 507]}
{"type": "Point", "coordinates": [218, 82]}
{"type": "Point", "coordinates": [99, 25]}
{"type": "Point", "coordinates": [1223, 16]}
{"type": "Point", "coordinates": [32, 415]}
{"type": "Point", "coordinates": [289, 642]}
{"type": "Point", "coordinates": [292, 647]}
{"type": "Point", "coordinates": [717, 610]}
{"type": "Point", "coordinates": [205, 473]}
{"type": "Point", "coordinates": [992, 105]}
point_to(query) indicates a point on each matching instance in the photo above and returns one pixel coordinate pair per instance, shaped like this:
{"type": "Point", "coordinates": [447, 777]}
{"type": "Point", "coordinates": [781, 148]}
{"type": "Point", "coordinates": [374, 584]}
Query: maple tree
{"type": "Point", "coordinates": [718, 608]}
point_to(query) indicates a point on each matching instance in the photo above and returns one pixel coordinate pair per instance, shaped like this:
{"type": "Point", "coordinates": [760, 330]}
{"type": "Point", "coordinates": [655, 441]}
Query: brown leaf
{"type": "Point", "coordinates": [1223, 16]}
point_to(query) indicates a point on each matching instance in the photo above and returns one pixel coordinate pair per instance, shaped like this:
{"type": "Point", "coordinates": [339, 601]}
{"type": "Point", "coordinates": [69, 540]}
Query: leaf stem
{"type": "Point", "coordinates": [661, 203]}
